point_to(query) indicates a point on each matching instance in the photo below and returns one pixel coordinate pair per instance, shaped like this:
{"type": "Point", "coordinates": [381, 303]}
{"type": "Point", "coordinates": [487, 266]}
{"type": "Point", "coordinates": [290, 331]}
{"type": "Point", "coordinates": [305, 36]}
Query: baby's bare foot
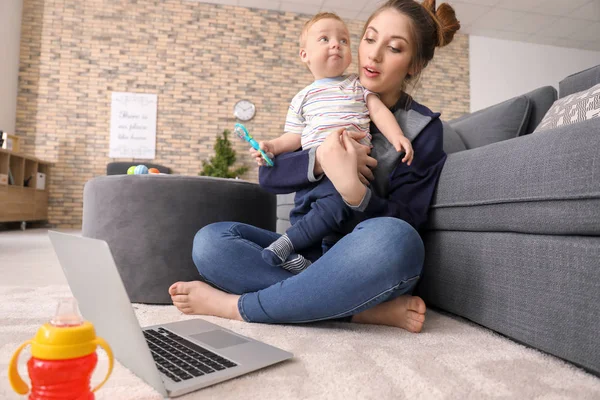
{"type": "Point", "coordinates": [200, 298]}
{"type": "Point", "coordinates": [406, 312]}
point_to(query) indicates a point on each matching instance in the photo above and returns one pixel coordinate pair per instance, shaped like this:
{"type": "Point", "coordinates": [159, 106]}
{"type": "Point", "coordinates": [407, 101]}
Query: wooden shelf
{"type": "Point", "coordinates": [24, 197]}
{"type": "Point", "coordinates": [31, 169]}
{"type": "Point", "coordinates": [4, 157]}
{"type": "Point", "coordinates": [16, 165]}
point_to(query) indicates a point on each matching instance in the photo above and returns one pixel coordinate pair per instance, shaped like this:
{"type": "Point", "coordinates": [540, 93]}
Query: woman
{"type": "Point", "coordinates": [366, 277]}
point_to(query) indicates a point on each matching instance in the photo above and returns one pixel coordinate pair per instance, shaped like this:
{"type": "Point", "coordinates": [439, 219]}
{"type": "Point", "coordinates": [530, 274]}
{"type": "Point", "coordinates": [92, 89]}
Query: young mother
{"type": "Point", "coordinates": [367, 276]}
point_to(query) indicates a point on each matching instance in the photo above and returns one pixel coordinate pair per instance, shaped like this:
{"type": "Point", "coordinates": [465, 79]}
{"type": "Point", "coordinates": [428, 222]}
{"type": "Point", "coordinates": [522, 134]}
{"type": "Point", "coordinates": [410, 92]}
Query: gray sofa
{"type": "Point", "coordinates": [513, 238]}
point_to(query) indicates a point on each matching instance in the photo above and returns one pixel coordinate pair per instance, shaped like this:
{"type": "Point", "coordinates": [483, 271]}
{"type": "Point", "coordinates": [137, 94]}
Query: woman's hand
{"type": "Point", "coordinates": [365, 163]}
{"type": "Point", "coordinates": [338, 157]}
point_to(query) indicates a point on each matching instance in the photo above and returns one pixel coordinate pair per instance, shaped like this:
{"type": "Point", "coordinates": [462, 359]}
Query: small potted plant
{"type": "Point", "coordinates": [219, 165]}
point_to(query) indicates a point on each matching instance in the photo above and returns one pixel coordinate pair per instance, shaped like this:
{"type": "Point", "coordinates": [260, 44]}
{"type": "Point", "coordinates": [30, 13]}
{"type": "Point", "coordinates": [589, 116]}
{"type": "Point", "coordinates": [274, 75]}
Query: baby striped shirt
{"type": "Point", "coordinates": [327, 105]}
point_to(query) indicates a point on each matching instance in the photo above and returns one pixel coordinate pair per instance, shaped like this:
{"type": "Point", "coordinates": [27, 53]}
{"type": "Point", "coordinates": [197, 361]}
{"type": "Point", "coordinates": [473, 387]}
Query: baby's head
{"type": "Point", "coordinates": [325, 46]}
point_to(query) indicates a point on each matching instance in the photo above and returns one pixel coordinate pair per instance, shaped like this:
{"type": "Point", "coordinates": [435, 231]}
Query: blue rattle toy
{"type": "Point", "coordinates": [243, 133]}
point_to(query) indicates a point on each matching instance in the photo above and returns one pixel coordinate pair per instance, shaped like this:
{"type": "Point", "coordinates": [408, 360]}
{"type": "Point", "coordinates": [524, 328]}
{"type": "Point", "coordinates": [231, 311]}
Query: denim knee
{"type": "Point", "coordinates": [205, 241]}
{"type": "Point", "coordinates": [399, 245]}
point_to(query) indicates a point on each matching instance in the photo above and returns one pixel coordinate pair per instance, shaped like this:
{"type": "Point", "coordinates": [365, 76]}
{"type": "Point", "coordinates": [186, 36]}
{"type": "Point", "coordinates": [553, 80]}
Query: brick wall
{"type": "Point", "coordinates": [198, 58]}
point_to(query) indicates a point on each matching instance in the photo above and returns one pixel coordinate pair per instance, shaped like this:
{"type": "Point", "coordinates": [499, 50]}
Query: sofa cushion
{"type": "Point", "coordinates": [541, 100]}
{"type": "Point", "coordinates": [579, 81]}
{"type": "Point", "coordinates": [571, 109]}
{"type": "Point", "coordinates": [452, 141]}
{"type": "Point", "coordinates": [546, 184]}
{"type": "Point", "coordinates": [499, 122]}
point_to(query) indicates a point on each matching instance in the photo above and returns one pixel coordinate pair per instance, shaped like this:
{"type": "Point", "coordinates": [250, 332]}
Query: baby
{"type": "Point", "coordinates": [331, 102]}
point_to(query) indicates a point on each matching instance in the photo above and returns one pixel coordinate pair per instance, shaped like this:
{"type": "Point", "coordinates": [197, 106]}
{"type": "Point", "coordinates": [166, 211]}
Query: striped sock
{"type": "Point", "coordinates": [296, 265]}
{"type": "Point", "coordinates": [278, 251]}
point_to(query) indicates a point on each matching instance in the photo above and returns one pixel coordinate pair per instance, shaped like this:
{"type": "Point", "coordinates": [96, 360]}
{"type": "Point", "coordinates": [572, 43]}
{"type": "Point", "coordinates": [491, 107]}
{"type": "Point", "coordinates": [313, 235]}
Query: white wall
{"type": "Point", "coordinates": [501, 69]}
{"type": "Point", "coordinates": [10, 35]}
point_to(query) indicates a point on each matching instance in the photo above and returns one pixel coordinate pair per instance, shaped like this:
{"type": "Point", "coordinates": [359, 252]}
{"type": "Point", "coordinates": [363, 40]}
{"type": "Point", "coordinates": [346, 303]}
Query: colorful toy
{"type": "Point", "coordinates": [140, 170]}
{"type": "Point", "coordinates": [243, 133]}
{"type": "Point", "coordinates": [63, 358]}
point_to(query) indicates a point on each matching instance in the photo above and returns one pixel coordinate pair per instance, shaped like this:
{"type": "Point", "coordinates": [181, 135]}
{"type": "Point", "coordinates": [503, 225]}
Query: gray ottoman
{"type": "Point", "coordinates": [149, 222]}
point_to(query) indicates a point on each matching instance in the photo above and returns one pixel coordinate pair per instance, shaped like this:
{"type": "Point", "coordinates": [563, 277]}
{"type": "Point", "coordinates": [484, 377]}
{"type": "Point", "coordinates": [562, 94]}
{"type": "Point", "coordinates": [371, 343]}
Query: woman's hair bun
{"type": "Point", "coordinates": [445, 21]}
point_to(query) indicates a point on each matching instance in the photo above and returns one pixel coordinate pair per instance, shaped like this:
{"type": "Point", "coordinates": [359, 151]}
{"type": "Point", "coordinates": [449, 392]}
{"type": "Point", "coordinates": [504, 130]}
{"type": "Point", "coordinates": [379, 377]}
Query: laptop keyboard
{"type": "Point", "coordinates": [180, 359]}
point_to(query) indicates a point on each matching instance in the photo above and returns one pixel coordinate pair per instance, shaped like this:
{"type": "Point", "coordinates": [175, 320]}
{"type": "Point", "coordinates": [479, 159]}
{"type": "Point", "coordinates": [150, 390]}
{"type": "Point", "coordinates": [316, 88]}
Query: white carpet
{"type": "Point", "coordinates": [450, 359]}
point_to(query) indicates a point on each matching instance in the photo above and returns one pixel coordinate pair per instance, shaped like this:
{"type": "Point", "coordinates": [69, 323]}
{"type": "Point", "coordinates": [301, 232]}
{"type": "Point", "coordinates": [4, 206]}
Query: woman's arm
{"type": "Point", "coordinates": [412, 187]}
{"type": "Point", "coordinates": [297, 170]}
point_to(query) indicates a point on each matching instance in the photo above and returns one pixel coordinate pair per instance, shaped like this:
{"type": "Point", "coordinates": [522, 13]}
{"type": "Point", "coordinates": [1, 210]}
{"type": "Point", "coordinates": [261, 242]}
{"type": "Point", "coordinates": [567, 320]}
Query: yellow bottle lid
{"type": "Point", "coordinates": [64, 342]}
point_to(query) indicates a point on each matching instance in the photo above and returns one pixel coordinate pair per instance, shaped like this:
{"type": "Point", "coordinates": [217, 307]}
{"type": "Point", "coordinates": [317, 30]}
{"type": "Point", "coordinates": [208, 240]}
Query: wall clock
{"type": "Point", "coordinates": [244, 110]}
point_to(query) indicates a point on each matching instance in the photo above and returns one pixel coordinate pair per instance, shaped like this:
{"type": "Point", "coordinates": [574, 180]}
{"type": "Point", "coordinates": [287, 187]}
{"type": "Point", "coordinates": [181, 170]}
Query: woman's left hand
{"type": "Point", "coordinates": [339, 160]}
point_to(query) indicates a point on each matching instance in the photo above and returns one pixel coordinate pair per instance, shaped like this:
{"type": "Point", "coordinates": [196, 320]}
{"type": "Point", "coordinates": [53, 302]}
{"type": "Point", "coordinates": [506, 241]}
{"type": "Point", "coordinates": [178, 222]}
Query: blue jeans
{"type": "Point", "coordinates": [379, 260]}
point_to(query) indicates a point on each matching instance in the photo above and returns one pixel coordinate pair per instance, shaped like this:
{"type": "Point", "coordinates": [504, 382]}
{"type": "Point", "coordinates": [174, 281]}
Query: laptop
{"type": "Point", "coordinates": [174, 358]}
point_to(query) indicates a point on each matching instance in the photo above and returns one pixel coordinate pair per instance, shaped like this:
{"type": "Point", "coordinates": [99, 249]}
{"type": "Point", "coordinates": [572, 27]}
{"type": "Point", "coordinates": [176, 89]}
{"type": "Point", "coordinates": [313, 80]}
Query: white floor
{"type": "Point", "coordinates": [450, 359]}
{"type": "Point", "coordinates": [31, 258]}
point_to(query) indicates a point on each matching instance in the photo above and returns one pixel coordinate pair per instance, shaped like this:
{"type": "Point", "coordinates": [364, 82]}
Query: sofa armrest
{"type": "Point", "coordinates": [510, 185]}
{"type": "Point", "coordinates": [579, 81]}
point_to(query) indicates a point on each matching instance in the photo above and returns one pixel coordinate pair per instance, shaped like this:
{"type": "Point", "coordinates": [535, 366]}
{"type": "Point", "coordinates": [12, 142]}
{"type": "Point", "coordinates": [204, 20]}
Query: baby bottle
{"type": "Point", "coordinates": [63, 358]}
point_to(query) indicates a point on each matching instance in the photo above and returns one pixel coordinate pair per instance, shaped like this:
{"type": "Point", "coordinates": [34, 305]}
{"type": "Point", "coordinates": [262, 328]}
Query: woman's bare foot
{"type": "Point", "coordinates": [406, 312]}
{"type": "Point", "coordinates": [200, 298]}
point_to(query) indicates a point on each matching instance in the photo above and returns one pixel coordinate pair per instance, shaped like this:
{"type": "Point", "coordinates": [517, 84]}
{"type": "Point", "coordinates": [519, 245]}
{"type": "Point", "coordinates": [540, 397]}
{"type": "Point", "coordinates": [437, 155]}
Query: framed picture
{"type": "Point", "coordinates": [10, 142]}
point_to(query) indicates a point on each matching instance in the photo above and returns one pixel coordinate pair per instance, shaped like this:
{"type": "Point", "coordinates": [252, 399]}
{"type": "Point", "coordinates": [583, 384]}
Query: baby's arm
{"type": "Point", "coordinates": [284, 143]}
{"type": "Point", "coordinates": [387, 124]}
{"type": "Point", "coordinates": [294, 125]}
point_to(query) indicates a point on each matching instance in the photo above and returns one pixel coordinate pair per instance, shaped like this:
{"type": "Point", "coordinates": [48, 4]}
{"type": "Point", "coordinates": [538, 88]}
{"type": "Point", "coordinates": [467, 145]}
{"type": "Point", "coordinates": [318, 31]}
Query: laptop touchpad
{"type": "Point", "coordinates": [218, 339]}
